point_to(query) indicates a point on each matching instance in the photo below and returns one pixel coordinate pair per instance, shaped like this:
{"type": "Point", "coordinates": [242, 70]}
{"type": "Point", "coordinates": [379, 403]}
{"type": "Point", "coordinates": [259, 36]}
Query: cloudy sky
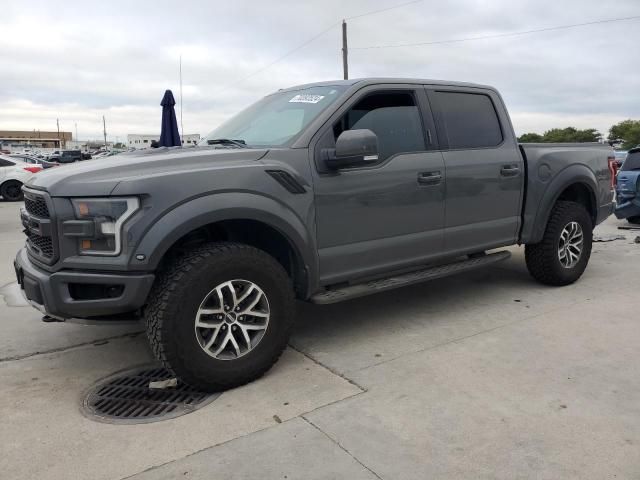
{"type": "Point", "coordinates": [79, 60]}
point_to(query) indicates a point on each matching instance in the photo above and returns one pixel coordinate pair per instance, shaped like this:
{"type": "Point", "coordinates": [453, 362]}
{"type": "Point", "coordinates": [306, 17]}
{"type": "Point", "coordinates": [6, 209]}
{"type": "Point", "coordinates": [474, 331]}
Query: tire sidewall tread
{"type": "Point", "coordinates": [177, 294]}
{"type": "Point", "coordinates": [542, 258]}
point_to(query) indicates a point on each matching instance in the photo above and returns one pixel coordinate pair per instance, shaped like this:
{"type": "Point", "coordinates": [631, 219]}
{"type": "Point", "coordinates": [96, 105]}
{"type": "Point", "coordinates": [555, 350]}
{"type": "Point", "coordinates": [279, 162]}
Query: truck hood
{"type": "Point", "coordinates": [100, 176]}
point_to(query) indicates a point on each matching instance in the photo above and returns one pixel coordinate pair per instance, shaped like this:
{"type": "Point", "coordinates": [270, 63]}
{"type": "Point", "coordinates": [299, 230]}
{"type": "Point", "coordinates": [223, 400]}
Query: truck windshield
{"type": "Point", "coordinates": [275, 120]}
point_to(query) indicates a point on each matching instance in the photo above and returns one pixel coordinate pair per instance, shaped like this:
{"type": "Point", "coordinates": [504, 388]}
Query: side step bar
{"type": "Point", "coordinates": [431, 273]}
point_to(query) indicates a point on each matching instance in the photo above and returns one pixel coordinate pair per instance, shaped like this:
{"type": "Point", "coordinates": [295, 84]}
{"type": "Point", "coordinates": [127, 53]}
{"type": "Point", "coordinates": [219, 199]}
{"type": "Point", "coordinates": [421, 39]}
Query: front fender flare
{"type": "Point", "coordinates": [213, 208]}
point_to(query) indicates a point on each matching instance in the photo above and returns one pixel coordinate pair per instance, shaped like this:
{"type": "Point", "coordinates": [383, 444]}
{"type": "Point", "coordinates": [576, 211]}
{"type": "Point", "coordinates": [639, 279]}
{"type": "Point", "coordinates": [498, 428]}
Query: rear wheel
{"type": "Point", "coordinates": [562, 255]}
{"type": "Point", "coordinates": [221, 315]}
{"type": "Point", "coordinates": [11, 190]}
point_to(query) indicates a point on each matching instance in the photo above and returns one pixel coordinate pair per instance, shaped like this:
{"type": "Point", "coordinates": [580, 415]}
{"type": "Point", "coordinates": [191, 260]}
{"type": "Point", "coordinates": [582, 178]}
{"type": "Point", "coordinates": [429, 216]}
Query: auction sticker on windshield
{"type": "Point", "coordinates": [306, 99]}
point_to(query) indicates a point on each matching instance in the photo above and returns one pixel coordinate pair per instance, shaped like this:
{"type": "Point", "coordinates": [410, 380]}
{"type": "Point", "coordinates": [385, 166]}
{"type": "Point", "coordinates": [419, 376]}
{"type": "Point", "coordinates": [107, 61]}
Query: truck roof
{"type": "Point", "coordinates": [377, 80]}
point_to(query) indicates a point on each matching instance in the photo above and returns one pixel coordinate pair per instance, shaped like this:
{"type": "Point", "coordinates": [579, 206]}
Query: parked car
{"type": "Point", "coordinates": [323, 192]}
{"type": "Point", "coordinates": [13, 174]}
{"type": "Point", "coordinates": [33, 160]}
{"type": "Point", "coordinates": [628, 188]}
{"type": "Point", "coordinates": [67, 156]}
{"type": "Point", "coordinates": [55, 153]}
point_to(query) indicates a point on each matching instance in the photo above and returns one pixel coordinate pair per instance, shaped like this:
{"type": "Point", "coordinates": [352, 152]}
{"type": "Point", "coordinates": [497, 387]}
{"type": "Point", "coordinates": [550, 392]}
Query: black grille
{"type": "Point", "coordinates": [126, 397]}
{"type": "Point", "coordinates": [36, 206]}
{"type": "Point", "coordinates": [43, 245]}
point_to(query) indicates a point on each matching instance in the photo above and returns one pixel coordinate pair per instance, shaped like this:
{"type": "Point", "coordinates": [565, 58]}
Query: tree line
{"type": "Point", "coordinates": [625, 133]}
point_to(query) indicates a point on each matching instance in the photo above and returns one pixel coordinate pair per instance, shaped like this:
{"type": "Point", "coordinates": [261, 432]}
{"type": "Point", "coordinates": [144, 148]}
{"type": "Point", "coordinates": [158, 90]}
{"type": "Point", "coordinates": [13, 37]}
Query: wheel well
{"type": "Point", "coordinates": [249, 232]}
{"type": "Point", "coordinates": [580, 193]}
{"type": "Point", "coordinates": [9, 181]}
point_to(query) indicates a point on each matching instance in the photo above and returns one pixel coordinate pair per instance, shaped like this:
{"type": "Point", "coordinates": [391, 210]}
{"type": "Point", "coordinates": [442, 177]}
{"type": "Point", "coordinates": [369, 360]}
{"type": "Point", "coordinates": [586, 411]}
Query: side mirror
{"type": "Point", "coordinates": [354, 148]}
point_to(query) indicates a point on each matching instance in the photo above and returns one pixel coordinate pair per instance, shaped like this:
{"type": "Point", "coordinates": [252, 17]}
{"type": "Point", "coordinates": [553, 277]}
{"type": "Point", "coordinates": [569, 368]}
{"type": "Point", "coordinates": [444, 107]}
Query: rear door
{"type": "Point", "coordinates": [484, 169]}
{"type": "Point", "coordinates": [375, 218]}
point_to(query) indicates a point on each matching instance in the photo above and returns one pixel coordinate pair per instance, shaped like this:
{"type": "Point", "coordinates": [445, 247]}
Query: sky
{"type": "Point", "coordinates": [79, 60]}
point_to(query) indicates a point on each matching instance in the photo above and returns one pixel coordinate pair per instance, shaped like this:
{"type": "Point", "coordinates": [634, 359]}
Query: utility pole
{"type": "Point", "coordinates": [58, 127]}
{"type": "Point", "coordinates": [104, 127]}
{"type": "Point", "coordinates": [345, 64]}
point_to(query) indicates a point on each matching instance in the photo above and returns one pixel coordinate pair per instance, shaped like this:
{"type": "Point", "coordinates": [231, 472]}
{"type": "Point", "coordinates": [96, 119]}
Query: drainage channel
{"type": "Point", "coordinates": [126, 398]}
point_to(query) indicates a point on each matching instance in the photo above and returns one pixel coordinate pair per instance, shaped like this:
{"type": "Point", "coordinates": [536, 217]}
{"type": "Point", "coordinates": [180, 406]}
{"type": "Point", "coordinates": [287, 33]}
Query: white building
{"type": "Point", "coordinates": [137, 141]}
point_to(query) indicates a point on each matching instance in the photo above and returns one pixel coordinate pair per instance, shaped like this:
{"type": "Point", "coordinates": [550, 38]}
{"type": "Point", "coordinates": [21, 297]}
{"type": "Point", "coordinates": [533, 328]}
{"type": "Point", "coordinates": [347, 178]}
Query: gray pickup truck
{"type": "Point", "coordinates": [322, 193]}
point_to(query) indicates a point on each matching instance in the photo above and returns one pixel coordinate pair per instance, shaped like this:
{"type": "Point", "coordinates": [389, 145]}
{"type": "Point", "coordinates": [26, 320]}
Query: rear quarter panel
{"type": "Point", "coordinates": [551, 168]}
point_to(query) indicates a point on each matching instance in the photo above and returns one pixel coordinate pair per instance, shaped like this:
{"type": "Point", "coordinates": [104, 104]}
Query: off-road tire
{"type": "Point", "coordinates": [542, 258]}
{"type": "Point", "coordinates": [634, 220]}
{"type": "Point", "coordinates": [176, 296]}
{"type": "Point", "coordinates": [11, 191]}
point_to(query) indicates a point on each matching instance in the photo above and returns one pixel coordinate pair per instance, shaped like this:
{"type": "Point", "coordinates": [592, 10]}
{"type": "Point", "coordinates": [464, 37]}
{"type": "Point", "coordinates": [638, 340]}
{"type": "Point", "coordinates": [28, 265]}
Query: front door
{"type": "Point", "coordinates": [388, 215]}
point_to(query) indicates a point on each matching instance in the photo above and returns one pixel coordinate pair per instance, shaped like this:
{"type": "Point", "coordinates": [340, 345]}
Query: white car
{"type": "Point", "coordinates": [13, 173]}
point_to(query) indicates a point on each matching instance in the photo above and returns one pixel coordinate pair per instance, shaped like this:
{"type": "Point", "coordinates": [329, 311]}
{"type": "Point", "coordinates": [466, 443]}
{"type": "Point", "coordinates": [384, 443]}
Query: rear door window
{"type": "Point", "coordinates": [468, 120]}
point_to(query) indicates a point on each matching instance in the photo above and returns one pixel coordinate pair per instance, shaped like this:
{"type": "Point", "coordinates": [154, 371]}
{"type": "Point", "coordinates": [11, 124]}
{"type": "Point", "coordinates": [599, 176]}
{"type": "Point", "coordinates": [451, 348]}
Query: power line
{"type": "Point", "coordinates": [498, 35]}
{"type": "Point", "coordinates": [383, 9]}
{"type": "Point", "coordinates": [316, 36]}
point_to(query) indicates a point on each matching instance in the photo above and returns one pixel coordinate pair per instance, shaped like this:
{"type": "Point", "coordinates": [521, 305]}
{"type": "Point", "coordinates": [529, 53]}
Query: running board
{"type": "Point", "coordinates": [375, 286]}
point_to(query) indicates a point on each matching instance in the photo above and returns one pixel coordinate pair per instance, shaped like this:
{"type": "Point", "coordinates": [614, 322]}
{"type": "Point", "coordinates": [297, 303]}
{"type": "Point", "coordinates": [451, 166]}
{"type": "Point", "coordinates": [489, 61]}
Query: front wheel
{"type": "Point", "coordinates": [562, 255]}
{"type": "Point", "coordinates": [221, 315]}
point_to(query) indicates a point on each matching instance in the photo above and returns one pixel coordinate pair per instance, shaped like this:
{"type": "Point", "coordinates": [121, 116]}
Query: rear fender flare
{"type": "Point", "coordinates": [571, 175]}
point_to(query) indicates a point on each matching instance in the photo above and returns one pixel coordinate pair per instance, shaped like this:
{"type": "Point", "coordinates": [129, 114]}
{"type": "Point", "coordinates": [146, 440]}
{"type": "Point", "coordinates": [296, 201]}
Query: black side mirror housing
{"type": "Point", "coordinates": [354, 148]}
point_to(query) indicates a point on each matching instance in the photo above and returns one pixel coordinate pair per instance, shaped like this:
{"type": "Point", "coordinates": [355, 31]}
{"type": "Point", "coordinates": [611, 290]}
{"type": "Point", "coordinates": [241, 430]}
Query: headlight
{"type": "Point", "coordinates": [108, 216]}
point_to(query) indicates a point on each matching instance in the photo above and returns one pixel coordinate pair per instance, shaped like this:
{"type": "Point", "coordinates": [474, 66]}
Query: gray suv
{"type": "Point", "coordinates": [321, 193]}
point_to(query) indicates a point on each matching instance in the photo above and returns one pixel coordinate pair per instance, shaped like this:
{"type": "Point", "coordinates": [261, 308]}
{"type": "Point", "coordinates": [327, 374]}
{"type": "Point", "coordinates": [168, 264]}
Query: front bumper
{"type": "Point", "coordinates": [56, 294]}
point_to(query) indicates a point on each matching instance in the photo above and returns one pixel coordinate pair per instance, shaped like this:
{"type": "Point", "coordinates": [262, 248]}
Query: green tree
{"type": "Point", "coordinates": [628, 131]}
{"type": "Point", "coordinates": [530, 138]}
{"type": "Point", "coordinates": [571, 134]}
{"type": "Point", "coordinates": [563, 135]}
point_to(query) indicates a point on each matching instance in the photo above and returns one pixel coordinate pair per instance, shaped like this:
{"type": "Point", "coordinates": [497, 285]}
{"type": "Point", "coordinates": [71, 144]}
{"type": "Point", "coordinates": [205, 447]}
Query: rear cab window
{"type": "Point", "coordinates": [466, 120]}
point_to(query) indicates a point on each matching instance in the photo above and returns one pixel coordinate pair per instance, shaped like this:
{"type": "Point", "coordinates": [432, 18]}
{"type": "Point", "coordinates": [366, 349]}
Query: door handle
{"type": "Point", "coordinates": [509, 170]}
{"type": "Point", "coordinates": [429, 178]}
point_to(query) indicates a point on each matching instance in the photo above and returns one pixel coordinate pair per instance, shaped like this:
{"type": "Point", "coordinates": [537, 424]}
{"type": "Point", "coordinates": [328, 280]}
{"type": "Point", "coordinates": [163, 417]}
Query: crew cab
{"type": "Point", "coordinates": [322, 193]}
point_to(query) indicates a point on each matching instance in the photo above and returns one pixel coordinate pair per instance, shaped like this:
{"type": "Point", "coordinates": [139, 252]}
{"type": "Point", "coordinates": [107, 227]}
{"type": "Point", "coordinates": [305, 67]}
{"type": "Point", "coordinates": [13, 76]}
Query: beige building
{"type": "Point", "coordinates": [34, 138]}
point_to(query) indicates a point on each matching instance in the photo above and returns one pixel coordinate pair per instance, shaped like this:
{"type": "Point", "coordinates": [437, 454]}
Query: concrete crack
{"type": "Point", "coordinates": [341, 447]}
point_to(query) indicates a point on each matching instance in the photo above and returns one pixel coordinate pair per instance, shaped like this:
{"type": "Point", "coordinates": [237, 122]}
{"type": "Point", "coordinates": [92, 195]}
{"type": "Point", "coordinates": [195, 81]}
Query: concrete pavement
{"type": "Point", "coordinates": [488, 375]}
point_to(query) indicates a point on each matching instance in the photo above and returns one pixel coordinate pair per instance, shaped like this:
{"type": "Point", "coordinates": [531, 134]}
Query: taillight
{"type": "Point", "coordinates": [613, 170]}
{"type": "Point", "coordinates": [33, 169]}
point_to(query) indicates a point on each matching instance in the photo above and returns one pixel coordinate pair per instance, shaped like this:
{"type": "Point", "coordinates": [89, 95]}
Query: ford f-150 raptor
{"type": "Point", "coordinates": [322, 192]}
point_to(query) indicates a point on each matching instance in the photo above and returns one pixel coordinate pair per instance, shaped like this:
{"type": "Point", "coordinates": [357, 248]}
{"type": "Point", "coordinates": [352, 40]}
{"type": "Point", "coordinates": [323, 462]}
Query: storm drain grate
{"type": "Point", "coordinates": [125, 397]}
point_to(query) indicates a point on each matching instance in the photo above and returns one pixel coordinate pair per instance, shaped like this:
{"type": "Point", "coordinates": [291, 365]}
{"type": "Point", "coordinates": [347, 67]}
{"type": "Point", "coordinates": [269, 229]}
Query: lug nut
{"type": "Point", "coordinates": [241, 318]}
{"type": "Point", "coordinates": [234, 328]}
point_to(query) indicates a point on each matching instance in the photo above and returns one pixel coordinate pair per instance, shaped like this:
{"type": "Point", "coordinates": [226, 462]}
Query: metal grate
{"type": "Point", "coordinates": [36, 206]}
{"type": "Point", "coordinates": [125, 397]}
{"type": "Point", "coordinates": [42, 245]}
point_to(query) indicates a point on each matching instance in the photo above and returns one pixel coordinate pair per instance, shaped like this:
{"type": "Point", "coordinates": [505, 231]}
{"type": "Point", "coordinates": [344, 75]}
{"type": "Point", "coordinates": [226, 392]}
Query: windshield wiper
{"type": "Point", "coordinates": [227, 141]}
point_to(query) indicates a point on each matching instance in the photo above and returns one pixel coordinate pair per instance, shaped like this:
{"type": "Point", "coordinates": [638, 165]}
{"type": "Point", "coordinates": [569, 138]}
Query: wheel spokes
{"type": "Point", "coordinates": [232, 319]}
